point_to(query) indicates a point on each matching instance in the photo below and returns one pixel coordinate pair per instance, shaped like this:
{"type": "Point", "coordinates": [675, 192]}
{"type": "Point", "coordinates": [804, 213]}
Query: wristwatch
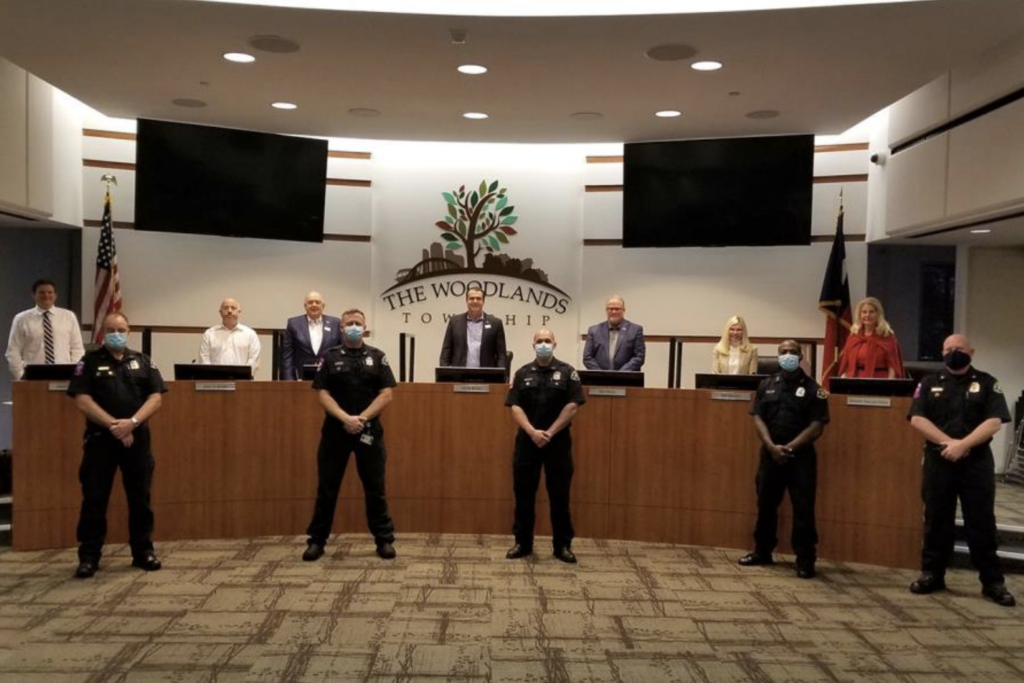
{"type": "Point", "coordinates": [135, 423]}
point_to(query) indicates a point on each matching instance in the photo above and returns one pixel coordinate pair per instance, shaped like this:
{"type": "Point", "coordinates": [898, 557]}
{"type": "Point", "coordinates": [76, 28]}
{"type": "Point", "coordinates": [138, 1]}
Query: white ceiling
{"type": "Point", "coordinates": [824, 69]}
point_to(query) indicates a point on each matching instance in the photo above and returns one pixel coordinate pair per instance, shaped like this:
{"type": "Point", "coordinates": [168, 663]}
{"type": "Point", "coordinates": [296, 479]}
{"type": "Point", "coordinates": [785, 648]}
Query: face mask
{"type": "Point", "coordinates": [956, 360]}
{"type": "Point", "coordinates": [544, 350]}
{"type": "Point", "coordinates": [789, 362]}
{"type": "Point", "coordinates": [115, 341]}
{"type": "Point", "coordinates": [354, 333]}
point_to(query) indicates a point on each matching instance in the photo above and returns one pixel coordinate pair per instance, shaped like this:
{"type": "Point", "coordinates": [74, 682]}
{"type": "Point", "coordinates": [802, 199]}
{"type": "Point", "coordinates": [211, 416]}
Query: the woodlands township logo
{"type": "Point", "coordinates": [477, 228]}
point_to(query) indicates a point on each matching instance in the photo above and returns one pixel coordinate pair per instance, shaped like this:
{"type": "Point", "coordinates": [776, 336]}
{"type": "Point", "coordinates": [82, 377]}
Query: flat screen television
{"type": "Point", "coordinates": [236, 183]}
{"type": "Point", "coordinates": [54, 372]}
{"type": "Point", "coordinates": [464, 375]}
{"type": "Point", "coordinates": [211, 373]}
{"type": "Point", "coordinates": [611, 378]}
{"type": "Point", "coordinates": [708, 380]}
{"type": "Point", "coordinates": [727, 192]}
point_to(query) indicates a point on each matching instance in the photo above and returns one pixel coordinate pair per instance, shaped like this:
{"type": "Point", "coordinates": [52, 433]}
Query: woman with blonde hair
{"type": "Point", "coordinates": [871, 350]}
{"type": "Point", "coordinates": [734, 354]}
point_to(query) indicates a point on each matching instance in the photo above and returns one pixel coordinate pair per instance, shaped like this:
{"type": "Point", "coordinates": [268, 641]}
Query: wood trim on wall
{"type": "Point", "coordinates": [126, 166]}
{"type": "Point", "coordinates": [112, 134]}
{"type": "Point", "coordinates": [853, 178]}
{"type": "Point", "coordinates": [349, 155]}
{"type": "Point", "coordinates": [124, 225]}
{"type": "Point", "coordinates": [348, 182]}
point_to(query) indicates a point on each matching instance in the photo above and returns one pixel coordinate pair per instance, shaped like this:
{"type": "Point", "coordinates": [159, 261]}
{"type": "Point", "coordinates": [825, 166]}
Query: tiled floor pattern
{"type": "Point", "coordinates": [451, 608]}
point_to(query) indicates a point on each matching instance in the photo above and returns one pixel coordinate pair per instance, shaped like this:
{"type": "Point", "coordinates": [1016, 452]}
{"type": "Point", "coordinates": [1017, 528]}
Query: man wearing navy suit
{"type": "Point", "coordinates": [474, 339]}
{"type": "Point", "coordinates": [307, 337]}
{"type": "Point", "coordinates": [615, 344]}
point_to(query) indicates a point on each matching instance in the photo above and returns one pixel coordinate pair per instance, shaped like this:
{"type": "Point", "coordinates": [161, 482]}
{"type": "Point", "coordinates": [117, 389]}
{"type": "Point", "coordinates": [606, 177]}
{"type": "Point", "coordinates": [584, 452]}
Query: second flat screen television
{"type": "Point", "coordinates": [727, 192]}
{"type": "Point", "coordinates": [237, 183]}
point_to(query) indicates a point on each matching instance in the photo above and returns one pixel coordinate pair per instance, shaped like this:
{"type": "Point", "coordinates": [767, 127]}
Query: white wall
{"type": "Point", "coordinates": [994, 314]}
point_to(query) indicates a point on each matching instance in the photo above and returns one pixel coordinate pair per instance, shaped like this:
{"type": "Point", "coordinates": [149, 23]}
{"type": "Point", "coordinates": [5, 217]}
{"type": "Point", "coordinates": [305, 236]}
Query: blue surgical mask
{"type": "Point", "coordinates": [789, 362]}
{"type": "Point", "coordinates": [544, 350]}
{"type": "Point", "coordinates": [115, 341]}
{"type": "Point", "coordinates": [354, 333]}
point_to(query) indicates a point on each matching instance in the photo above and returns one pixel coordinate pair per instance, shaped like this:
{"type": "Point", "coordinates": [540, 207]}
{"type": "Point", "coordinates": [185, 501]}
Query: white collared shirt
{"type": "Point", "coordinates": [221, 346]}
{"type": "Point", "coordinates": [25, 345]}
{"type": "Point", "coordinates": [316, 333]}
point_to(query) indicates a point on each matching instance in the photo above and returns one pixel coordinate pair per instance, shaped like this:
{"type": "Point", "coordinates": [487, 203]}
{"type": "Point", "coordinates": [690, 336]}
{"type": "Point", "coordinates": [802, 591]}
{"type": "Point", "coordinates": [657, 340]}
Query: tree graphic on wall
{"type": "Point", "coordinates": [477, 221]}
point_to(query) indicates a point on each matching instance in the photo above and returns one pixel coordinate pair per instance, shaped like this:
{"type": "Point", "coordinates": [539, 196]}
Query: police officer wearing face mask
{"type": "Point", "coordinates": [790, 412]}
{"type": "Point", "coordinates": [544, 398]}
{"type": "Point", "coordinates": [118, 390]}
{"type": "Point", "coordinates": [354, 385]}
{"type": "Point", "coordinates": [958, 412]}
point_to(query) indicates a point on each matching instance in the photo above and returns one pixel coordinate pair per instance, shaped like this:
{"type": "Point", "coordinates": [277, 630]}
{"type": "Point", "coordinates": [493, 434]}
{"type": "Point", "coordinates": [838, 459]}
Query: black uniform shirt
{"type": "Point", "coordinates": [542, 392]}
{"type": "Point", "coordinates": [354, 377]}
{"type": "Point", "coordinates": [788, 404]}
{"type": "Point", "coordinates": [120, 387]}
{"type": "Point", "coordinates": [957, 404]}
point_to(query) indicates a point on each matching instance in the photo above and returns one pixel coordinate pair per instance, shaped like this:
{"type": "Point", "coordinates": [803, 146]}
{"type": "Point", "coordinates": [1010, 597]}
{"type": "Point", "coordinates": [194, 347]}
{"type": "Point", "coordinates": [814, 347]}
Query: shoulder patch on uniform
{"type": "Point", "coordinates": [384, 360]}
{"type": "Point", "coordinates": [996, 388]}
{"type": "Point", "coordinates": [917, 391]}
{"type": "Point", "coordinates": [822, 393]}
{"type": "Point", "coordinates": [80, 368]}
{"type": "Point", "coordinates": [575, 376]}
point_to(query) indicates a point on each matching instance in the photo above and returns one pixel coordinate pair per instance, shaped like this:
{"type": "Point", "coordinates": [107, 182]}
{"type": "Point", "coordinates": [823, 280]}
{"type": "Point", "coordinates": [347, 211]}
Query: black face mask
{"type": "Point", "coordinates": [956, 360]}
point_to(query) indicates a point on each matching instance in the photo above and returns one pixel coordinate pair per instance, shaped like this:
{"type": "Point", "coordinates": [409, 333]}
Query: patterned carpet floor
{"type": "Point", "coordinates": [451, 608]}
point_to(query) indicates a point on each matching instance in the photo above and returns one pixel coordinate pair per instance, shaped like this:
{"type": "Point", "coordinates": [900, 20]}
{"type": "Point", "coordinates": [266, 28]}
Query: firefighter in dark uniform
{"type": "Point", "coordinates": [958, 412]}
{"type": "Point", "coordinates": [790, 412]}
{"type": "Point", "coordinates": [354, 385]}
{"type": "Point", "coordinates": [118, 390]}
{"type": "Point", "coordinates": [544, 397]}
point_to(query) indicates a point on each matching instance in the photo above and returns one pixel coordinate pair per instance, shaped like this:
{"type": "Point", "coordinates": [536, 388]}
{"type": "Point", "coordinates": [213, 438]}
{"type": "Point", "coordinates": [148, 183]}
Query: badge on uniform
{"type": "Point", "coordinates": [369, 360]}
{"type": "Point", "coordinates": [937, 390]}
{"type": "Point", "coordinates": [800, 391]}
{"type": "Point", "coordinates": [133, 365]}
{"type": "Point", "coordinates": [557, 375]}
{"type": "Point", "coordinates": [975, 388]}
{"type": "Point", "coordinates": [367, 439]}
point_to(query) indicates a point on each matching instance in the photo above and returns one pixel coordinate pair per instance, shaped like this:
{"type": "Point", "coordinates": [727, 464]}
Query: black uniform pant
{"type": "Point", "coordinates": [972, 479]}
{"type": "Point", "coordinates": [331, 459]}
{"type": "Point", "coordinates": [556, 460]}
{"type": "Point", "coordinates": [103, 456]}
{"type": "Point", "coordinates": [798, 475]}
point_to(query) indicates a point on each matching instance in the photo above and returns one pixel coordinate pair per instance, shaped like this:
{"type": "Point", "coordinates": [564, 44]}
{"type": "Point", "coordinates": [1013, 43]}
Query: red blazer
{"type": "Point", "coordinates": [880, 354]}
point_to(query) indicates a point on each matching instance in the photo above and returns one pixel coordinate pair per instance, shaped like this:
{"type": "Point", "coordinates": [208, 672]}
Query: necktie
{"type": "Point", "coordinates": [48, 338]}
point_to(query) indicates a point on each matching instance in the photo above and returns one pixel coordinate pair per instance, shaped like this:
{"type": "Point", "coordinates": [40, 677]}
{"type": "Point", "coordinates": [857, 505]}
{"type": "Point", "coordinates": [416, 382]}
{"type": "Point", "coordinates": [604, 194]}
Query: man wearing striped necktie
{"type": "Point", "coordinates": [43, 334]}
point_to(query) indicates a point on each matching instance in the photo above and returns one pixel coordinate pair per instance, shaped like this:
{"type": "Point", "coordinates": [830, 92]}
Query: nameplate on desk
{"type": "Point", "coordinates": [216, 386]}
{"type": "Point", "coordinates": [869, 401]}
{"type": "Point", "coordinates": [471, 388]}
{"type": "Point", "coordinates": [731, 395]}
{"type": "Point", "coordinates": [57, 386]}
{"type": "Point", "coordinates": [607, 391]}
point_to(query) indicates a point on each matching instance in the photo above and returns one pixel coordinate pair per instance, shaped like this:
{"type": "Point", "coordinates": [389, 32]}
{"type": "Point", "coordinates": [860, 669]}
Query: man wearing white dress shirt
{"type": "Point", "coordinates": [231, 342]}
{"type": "Point", "coordinates": [307, 338]}
{"type": "Point", "coordinates": [44, 334]}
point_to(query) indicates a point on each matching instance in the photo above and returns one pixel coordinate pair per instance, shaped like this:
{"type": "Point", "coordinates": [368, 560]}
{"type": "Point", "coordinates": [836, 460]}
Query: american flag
{"type": "Point", "coordinates": [108, 279]}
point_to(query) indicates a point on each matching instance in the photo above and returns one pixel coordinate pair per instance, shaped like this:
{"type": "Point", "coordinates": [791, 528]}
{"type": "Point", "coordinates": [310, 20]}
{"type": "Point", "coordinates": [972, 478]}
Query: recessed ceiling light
{"type": "Point", "coordinates": [981, 231]}
{"type": "Point", "coordinates": [284, 105]}
{"type": "Point", "coordinates": [706, 66]}
{"type": "Point", "coordinates": [763, 114]}
{"type": "Point", "coordinates": [586, 115]}
{"type": "Point", "coordinates": [239, 57]}
{"type": "Point", "coordinates": [188, 103]}
{"type": "Point", "coordinates": [475, 115]}
{"type": "Point", "coordinates": [673, 52]}
{"type": "Point", "coordinates": [472, 69]}
{"type": "Point", "coordinates": [364, 113]}
{"type": "Point", "coordinates": [668, 113]}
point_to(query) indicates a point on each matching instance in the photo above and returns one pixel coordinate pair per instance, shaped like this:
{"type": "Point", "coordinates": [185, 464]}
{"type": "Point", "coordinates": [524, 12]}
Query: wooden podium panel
{"type": "Point", "coordinates": [652, 465]}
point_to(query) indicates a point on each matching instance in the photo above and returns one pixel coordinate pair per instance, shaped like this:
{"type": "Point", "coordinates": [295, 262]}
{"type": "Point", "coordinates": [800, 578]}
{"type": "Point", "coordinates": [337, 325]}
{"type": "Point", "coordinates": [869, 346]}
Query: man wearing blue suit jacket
{"type": "Point", "coordinates": [473, 339]}
{"type": "Point", "coordinates": [615, 344]}
{"type": "Point", "coordinates": [307, 337]}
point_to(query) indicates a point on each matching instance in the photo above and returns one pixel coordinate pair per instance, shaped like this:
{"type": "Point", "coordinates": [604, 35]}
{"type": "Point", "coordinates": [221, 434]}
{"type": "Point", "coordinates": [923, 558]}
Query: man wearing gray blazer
{"type": "Point", "coordinates": [615, 344]}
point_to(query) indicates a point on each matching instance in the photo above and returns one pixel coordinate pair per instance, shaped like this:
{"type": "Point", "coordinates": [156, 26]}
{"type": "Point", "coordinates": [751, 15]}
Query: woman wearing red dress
{"type": "Point", "coordinates": [871, 350]}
